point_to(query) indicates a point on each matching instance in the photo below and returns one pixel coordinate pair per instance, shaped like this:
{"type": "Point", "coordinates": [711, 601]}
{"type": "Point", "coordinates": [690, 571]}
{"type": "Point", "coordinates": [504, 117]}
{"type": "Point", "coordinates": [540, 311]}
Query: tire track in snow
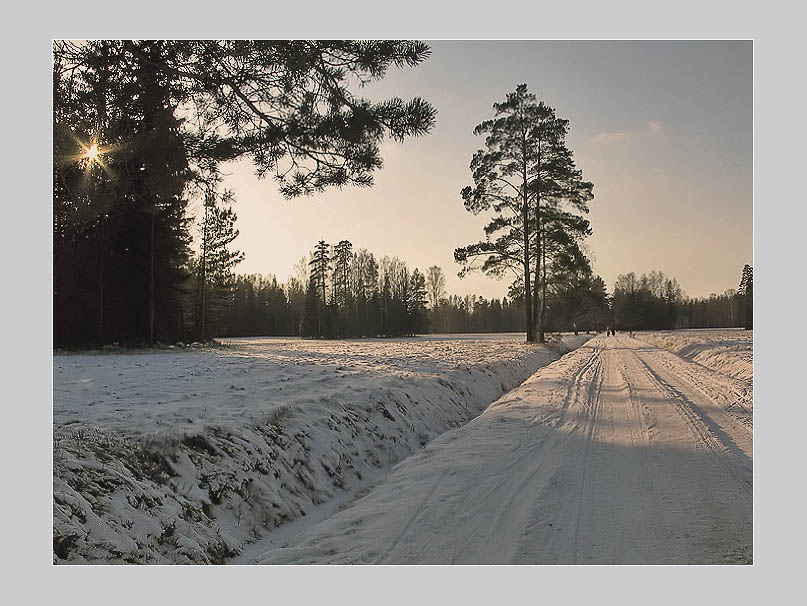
{"type": "Point", "coordinates": [731, 396]}
{"type": "Point", "coordinates": [706, 429]}
{"type": "Point", "coordinates": [532, 466]}
{"type": "Point", "coordinates": [592, 404]}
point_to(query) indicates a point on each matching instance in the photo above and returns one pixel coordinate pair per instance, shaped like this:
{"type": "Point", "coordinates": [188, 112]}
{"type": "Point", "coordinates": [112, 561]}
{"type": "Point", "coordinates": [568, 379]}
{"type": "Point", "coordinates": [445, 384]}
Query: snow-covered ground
{"type": "Point", "coordinates": [620, 452]}
{"type": "Point", "coordinates": [729, 352]}
{"type": "Point", "coordinates": [191, 456]}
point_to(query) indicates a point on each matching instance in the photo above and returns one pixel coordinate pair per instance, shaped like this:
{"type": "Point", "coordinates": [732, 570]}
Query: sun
{"type": "Point", "coordinates": [91, 156]}
{"type": "Point", "coordinates": [92, 153]}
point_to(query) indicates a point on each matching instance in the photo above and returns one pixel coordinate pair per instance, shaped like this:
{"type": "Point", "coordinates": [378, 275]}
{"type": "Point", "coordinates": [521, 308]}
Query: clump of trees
{"type": "Point", "coordinates": [525, 175]}
{"type": "Point", "coordinates": [648, 302]}
{"type": "Point", "coordinates": [213, 266]}
{"type": "Point", "coordinates": [140, 130]}
{"type": "Point", "coordinates": [579, 304]}
{"type": "Point", "coordinates": [337, 292]}
{"type": "Point", "coordinates": [354, 295]}
{"type": "Point", "coordinates": [259, 306]}
{"type": "Point", "coordinates": [715, 311]}
{"type": "Point", "coordinates": [475, 314]}
{"type": "Point", "coordinates": [655, 302]}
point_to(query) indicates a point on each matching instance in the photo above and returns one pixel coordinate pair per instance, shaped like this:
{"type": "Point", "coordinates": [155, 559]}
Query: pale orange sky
{"type": "Point", "coordinates": [662, 129]}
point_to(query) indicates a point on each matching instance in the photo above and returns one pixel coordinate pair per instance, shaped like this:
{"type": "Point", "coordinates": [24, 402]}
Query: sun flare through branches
{"type": "Point", "coordinates": [91, 155]}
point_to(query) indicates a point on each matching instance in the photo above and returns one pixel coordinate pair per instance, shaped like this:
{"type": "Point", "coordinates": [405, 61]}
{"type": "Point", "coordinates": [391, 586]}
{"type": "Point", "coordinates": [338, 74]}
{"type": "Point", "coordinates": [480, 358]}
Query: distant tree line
{"type": "Point", "coordinates": [338, 292]}
{"type": "Point", "coordinates": [353, 294]}
{"type": "Point", "coordinates": [577, 305]}
{"type": "Point", "coordinates": [476, 314]}
{"type": "Point", "coordinates": [655, 302]}
{"type": "Point", "coordinates": [647, 302]}
{"type": "Point", "coordinates": [259, 306]}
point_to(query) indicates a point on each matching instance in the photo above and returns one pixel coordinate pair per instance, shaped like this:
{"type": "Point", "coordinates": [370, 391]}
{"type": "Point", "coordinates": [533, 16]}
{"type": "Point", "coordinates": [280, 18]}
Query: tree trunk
{"type": "Point", "coordinates": [536, 321]}
{"type": "Point", "coordinates": [542, 308]}
{"type": "Point", "coordinates": [203, 269]}
{"type": "Point", "coordinates": [100, 327]}
{"type": "Point", "coordinates": [540, 259]}
{"type": "Point", "coordinates": [151, 303]}
{"type": "Point", "coordinates": [527, 290]}
{"type": "Point", "coordinates": [57, 288]}
{"type": "Point", "coordinates": [528, 295]}
{"type": "Point", "coordinates": [101, 107]}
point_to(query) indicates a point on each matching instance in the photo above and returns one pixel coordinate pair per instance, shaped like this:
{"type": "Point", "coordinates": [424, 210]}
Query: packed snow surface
{"type": "Point", "coordinates": [620, 452]}
{"type": "Point", "coordinates": [191, 456]}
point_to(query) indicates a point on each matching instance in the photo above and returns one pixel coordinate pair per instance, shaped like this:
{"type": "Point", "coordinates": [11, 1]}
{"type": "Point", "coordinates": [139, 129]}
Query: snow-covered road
{"type": "Point", "coordinates": [619, 452]}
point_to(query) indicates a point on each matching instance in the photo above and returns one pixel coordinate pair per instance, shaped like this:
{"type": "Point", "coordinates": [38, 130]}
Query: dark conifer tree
{"type": "Point", "coordinates": [320, 265]}
{"type": "Point", "coordinates": [526, 175]}
{"type": "Point", "coordinates": [125, 180]}
{"type": "Point", "coordinates": [312, 314]}
{"type": "Point", "coordinates": [416, 303]}
{"type": "Point", "coordinates": [746, 291]}
{"type": "Point", "coordinates": [156, 165]}
{"type": "Point", "coordinates": [342, 258]}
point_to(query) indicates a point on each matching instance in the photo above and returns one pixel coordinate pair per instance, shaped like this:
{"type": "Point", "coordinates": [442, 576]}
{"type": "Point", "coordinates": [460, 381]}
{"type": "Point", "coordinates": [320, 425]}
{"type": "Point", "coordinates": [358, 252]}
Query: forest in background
{"type": "Point", "coordinates": [145, 236]}
{"type": "Point", "coordinates": [364, 296]}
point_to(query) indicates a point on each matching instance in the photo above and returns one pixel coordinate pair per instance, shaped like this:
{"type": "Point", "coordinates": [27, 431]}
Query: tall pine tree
{"type": "Point", "coordinates": [526, 175]}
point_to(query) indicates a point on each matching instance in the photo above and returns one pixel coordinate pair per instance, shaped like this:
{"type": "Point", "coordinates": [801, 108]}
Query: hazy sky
{"type": "Point", "coordinates": [662, 129]}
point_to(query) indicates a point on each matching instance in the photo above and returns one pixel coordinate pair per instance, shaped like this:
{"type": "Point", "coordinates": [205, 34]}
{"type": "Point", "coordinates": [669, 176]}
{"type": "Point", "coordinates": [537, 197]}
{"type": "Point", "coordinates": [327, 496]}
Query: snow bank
{"type": "Point", "coordinates": [188, 457]}
{"type": "Point", "coordinates": [729, 352]}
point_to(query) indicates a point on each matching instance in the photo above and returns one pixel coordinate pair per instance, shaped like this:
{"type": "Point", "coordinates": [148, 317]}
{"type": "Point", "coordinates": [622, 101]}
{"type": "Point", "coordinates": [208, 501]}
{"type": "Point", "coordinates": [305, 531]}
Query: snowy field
{"type": "Point", "coordinates": [729, 352]}
{"type": "Point", "coordinates": [193, 456]}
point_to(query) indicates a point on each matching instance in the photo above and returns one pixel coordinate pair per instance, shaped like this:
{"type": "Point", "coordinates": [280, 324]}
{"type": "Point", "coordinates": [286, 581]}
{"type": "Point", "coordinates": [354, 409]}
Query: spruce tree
{"type": "Point", "coordinates": [416, 303]}
{"type": "Point", "coordinates": [158, 170]}
{"type": "Point", "coordinates": [320, 270]}
{"type": "Point", "coordinates": [312, 313]}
